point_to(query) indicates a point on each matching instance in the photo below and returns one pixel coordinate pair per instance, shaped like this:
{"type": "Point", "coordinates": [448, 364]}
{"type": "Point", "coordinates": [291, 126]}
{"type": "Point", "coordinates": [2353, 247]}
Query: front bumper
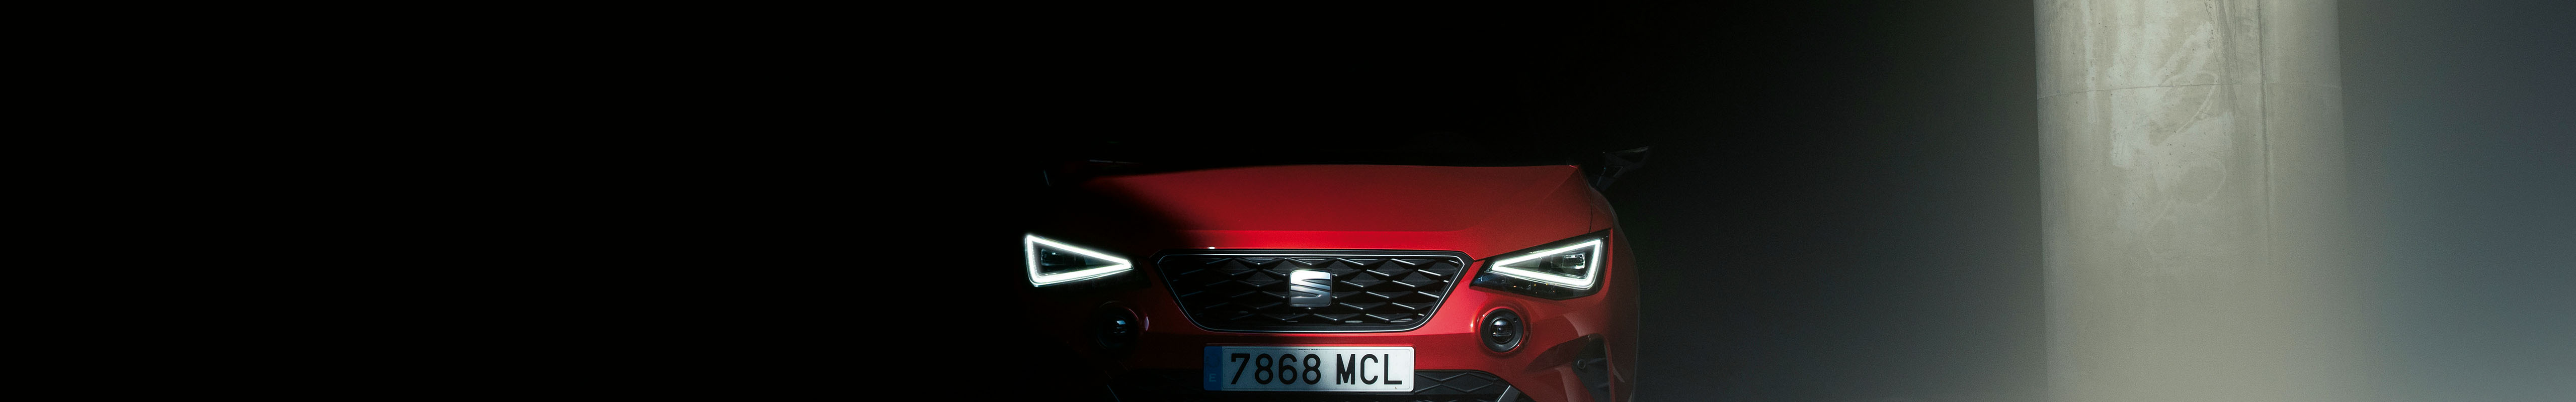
{"type": "Point", "coordinates": [1578, 349]}
{"type": "Point", "coordinates": [1431, 386]}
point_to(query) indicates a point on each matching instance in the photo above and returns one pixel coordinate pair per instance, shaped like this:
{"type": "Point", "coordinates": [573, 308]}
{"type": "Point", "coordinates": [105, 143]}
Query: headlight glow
{"type": "Point", "coordinates": [1053, 262]}
{"type": "Point", "coordinates": [1558, 271]}
{"type": "Point", "coordinates": [1574, 266]}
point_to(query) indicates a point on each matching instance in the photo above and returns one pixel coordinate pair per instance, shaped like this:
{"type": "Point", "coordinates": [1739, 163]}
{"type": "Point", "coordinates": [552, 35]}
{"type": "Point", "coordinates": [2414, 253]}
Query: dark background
{"type": "Point", "coordinates": [1843, 200]}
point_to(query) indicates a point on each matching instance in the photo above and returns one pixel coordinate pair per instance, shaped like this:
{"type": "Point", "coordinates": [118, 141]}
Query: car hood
{"type": "Point", "coordinates": [1478, 210]}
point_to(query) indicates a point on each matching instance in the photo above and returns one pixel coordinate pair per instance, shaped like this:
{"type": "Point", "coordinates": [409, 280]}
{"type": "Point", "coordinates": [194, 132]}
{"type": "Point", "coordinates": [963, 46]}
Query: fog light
{"type": "Point", "coordinates": [1115, 328]}
{"type": "Point", "coordinates": [1501, 330]}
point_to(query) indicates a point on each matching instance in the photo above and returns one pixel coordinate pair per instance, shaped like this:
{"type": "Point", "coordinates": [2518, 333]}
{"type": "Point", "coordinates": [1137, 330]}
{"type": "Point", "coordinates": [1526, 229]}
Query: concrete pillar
{"type": "Point", "coordinates": [2192, 163]}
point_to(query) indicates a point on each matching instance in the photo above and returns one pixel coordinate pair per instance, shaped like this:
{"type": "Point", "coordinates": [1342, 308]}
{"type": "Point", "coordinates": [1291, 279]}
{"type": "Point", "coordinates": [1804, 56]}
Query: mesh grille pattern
{"type": "Point", "coordinates": [1247, 290]}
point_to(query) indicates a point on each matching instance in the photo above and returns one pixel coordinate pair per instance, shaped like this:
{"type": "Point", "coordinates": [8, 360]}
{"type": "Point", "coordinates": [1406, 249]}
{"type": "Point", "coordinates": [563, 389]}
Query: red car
{"type": "Point", "coordinates": [1337, 282]}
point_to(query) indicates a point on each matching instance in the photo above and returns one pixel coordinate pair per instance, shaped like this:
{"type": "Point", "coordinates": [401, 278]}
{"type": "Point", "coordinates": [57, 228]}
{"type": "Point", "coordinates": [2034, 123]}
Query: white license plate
{"type": "Point", "coordinates": [1309, 368]}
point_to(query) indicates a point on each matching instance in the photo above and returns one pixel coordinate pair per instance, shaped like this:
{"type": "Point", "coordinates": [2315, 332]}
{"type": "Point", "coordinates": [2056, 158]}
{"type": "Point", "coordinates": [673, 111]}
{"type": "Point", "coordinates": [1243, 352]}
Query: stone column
{"type": "Point", "coordinates": [2192, 163]}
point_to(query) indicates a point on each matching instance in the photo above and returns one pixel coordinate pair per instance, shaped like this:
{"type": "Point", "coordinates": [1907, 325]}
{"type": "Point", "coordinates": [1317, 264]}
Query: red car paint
{"type": "Point", "coordinates": [1482, 212]}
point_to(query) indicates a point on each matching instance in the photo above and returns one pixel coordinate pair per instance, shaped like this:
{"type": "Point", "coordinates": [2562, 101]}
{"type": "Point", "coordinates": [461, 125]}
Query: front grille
{"type": "Point", "coordinates": [1429, 386]}
{"type": "Point", "coordinates": [1248, 290]}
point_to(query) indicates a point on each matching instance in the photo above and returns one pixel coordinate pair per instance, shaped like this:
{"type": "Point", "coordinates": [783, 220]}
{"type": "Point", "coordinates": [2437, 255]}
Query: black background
{"type": "Point", "coordinates": [1843, 200]}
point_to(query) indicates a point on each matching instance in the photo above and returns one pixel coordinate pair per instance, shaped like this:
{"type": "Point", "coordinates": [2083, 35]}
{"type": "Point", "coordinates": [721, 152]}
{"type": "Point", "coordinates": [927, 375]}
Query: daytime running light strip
{"type": "Point", "coordinates": [1591, 266]}
{"type": "Point", "coordinates": [1031, 243]}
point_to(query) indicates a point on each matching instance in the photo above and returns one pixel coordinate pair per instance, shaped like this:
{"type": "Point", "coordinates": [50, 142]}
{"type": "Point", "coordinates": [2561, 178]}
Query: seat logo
{"type": "Point", "coordinates": [1310, 289]}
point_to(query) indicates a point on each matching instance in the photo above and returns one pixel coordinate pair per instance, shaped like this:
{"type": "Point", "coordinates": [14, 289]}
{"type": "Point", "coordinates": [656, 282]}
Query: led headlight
{"type": "Point", "coordinates": [1560, 270]}
{"type": "Point", "coordinates": [1052, 262]}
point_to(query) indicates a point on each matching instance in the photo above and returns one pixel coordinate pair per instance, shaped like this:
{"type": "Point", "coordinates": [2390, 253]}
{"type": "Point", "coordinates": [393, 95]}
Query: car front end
{"type": "Point", "coordinates": [1333, 282]}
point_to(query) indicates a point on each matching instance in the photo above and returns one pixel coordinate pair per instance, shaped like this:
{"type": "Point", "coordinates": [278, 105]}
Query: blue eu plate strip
{"type": "Point", "coordinates": [1212, 366]}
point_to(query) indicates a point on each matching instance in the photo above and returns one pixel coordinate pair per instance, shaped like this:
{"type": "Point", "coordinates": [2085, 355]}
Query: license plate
{"type": "Point", "coordinates": [1309, 368]}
